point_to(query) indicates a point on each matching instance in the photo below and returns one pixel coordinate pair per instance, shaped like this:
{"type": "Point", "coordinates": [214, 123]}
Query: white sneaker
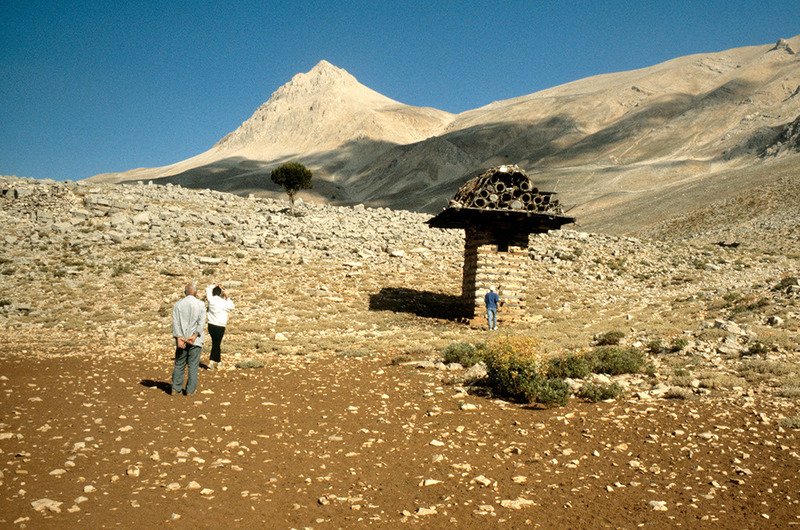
{"type": "Point", "coordinates": [212, 365]}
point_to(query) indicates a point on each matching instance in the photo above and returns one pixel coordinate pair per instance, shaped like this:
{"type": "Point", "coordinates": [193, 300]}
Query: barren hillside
{"type": "Point", "coordinates": [610, 143]}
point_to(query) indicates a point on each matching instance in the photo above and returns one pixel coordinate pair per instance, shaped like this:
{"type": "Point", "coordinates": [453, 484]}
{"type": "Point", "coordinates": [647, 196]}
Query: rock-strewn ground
{"type": "Point", "coordinates": [330, 432]}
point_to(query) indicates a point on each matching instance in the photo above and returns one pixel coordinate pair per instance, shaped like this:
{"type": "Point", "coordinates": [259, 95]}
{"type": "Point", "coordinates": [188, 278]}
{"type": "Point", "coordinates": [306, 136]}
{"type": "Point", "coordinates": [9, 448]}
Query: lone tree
{"type": "Point", "coordinates": [292, 177]}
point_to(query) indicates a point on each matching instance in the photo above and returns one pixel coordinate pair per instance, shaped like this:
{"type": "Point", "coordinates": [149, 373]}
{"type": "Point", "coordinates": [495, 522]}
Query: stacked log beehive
{"type": "Point", "coordinates": [499, 209]}
{"type": "Point", "coordinates": [506, 188]}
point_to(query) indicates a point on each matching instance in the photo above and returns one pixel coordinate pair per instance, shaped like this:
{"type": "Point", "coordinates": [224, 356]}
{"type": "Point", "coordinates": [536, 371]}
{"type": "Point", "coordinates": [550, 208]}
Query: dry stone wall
{"type": "Point", "coordinates": [505, 266]}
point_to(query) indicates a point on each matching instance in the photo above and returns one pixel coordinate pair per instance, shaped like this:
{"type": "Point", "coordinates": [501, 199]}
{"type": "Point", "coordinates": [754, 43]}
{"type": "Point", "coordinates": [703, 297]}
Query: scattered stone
{"type": "Point", "coordinates": [517, 504]}
{"type": "Point", "coordinates": [47, 504]}
{"type": "Point", "coordinates": [483, 481]}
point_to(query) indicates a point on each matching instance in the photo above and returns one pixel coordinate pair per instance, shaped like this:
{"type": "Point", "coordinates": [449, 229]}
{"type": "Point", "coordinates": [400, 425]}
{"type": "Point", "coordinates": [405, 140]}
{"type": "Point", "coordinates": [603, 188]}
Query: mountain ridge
{"type": "Point", "coordinates": [689, 117]}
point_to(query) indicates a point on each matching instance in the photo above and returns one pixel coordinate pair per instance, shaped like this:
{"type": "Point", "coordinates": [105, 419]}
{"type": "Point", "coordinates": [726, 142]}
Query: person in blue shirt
{"type": "Point", "coordinates": [492, 300]}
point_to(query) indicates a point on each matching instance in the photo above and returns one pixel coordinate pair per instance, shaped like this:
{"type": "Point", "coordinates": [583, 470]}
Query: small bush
{"type": "Point", "coordinates": [678, 344]}
{"type": "Point", "coordinates": [463, 353]}
{"type": "Point", "coordinates": [249, 363]}
{"type": "Point", "coordinates": [757, 348]}
{"type": "Point", "coordinates": [678, 393]}
{"type": "Point", "coordinates": [717, 380]}
{"type": "Point", "coordinates": [786, 283]}
{"type": "Point", "coordinates": [682, 380]}
{"type": "Point", "coordinates": [616, 361]}
{"type": "Point", "coordinates": [400, 359]}
{"type": "Point", "coordinates": [748, 304]}
{"type": "Point", "coordinates": [792, 422]}
{"type": "Point", "coordinates": [610, 338]}
{"type": "Point", "coordinates": [789, 392]}
{"type": "Point", "coordinates": [655, 346]}
{"type": "Point", "coordinates": [516, 371]}
{"type": "Point", "coordinates": [595, 392]}
{"type": "Point", "coordinates": [142, 247]}
{"type": "Point", "coordinates": [570, 365]}
{"type": "Point", "coordinates": [358, 352]}
{"type": "Point", "coordinates": [772, 368]}
{"type": "Point", "coordinates": [121, 268]}
{"type": "Point", "coordinates": [513, 368]}
{"type": "Point", "coordinates": [548, 392]}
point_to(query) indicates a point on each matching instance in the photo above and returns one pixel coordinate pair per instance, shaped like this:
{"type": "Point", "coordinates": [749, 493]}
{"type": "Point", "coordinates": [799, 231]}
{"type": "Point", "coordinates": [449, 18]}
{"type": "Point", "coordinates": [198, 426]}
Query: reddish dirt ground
{"type": "Point", "coordinates": [333, 442]}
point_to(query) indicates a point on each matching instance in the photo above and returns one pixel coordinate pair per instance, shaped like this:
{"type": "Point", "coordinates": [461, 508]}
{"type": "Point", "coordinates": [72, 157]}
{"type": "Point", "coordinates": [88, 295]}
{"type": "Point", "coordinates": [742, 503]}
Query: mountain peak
{"type": "Point", "coordinates": [324, 74]}
{"type": "Point", "coordinates": [324, 108]}
{"type": "Point", "coordinates": [325, 68]}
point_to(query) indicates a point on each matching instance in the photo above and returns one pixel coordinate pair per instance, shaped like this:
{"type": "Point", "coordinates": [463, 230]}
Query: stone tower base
{"type": "Point", "coordinates": [499, 260]}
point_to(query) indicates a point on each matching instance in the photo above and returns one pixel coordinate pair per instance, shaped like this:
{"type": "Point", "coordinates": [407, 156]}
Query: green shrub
{"type": "Point", "coordinates": [714, 380]}
{"type": "Point", "coordinates": [400, 359]}
{"type": "Point", "coordinates": [678, 344]}
{"type": "Point", "coordinates": [547, 392]}
{"type": "Point", "coordinates": [357, 352]}
{"type": "Point", "coordinates": [516, 371]}
{"type": "Point", "coordinates": [678, 393]}
{"type": "Point", "coordinates": [595, 392]}
{"type": "Point", "coordinates": [649, 369]}
{"type": "Point", "coordinates": [681, 380]}
{"type": "Point", "coordinates": [512, 376]}
{"type": "Point", "coordinates": [749, 304]}
{"type": "Point", "coordinates": [142, 247]}
{"type": "Point", "coordinates": [463, 353]}
{"type": "Point", "coordinates": [615, 361]}
{"type": "Point", "coordinates": [792, 422]}
{"type": "Point", "coordinates": [121, 268]}
{"type": "Point", "coordinates": [513, 367]}
{"type": "Point", "coordinates": [772, 368]}
{"type": "Point", "coordinates": [757, 348]}
{"type": "Point", "coordinates": [610, 338]}
{"type": "Point", "coordinates": [571, 365]}
{"type": "Point", "coordinates": [250, 363]}
{"type": "Point", "coordinates": [656, 346]}
{"type": "Point", "coordinates": [789, 392]}
{"type": "Point", "coordinates": [786, 283]}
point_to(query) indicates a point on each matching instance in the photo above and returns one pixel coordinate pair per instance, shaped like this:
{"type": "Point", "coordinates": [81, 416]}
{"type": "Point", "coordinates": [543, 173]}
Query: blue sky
{"type": "Point", "coordinates": [96, 86]}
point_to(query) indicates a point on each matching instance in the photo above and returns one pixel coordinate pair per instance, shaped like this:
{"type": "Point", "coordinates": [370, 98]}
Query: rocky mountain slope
{"type": "Point", "coordinates": [609, 143]}
{"type": "Point", "coordinates": [325, 118]}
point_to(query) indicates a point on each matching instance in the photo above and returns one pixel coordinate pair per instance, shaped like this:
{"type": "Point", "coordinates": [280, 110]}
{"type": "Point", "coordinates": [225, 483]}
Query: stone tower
{"type": "Point", "coordinates": [498, 211]}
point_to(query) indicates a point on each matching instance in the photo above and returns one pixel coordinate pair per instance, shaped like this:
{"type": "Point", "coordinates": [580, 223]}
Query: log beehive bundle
{"type": "Point", "coordinates": [506, 188]}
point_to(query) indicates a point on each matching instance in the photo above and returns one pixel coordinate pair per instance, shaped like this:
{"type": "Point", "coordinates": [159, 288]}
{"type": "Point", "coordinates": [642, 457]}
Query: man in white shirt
{"type": "Point", "coordinates": [188, 319]}
{"type": "Point", "coordinates": [218, 307]}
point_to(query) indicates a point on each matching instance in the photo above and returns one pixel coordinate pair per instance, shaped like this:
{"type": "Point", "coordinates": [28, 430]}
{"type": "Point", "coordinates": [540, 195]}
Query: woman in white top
{"type": "Point", "coordinates": [218, 306]}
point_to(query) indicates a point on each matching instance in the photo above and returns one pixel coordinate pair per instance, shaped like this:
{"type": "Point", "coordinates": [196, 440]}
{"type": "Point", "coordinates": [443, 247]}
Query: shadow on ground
{"type": "Point", "coordinates": [421, 303]}
{"type": "Point", "coordinates": [164, 386]}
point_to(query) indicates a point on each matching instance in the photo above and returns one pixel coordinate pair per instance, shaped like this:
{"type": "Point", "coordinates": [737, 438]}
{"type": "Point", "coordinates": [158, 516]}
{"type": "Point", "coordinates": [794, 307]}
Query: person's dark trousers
{"type": "Point", "coordinates": [186, 356]}
{"type": "Point", "coordinates": [216, 332]}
